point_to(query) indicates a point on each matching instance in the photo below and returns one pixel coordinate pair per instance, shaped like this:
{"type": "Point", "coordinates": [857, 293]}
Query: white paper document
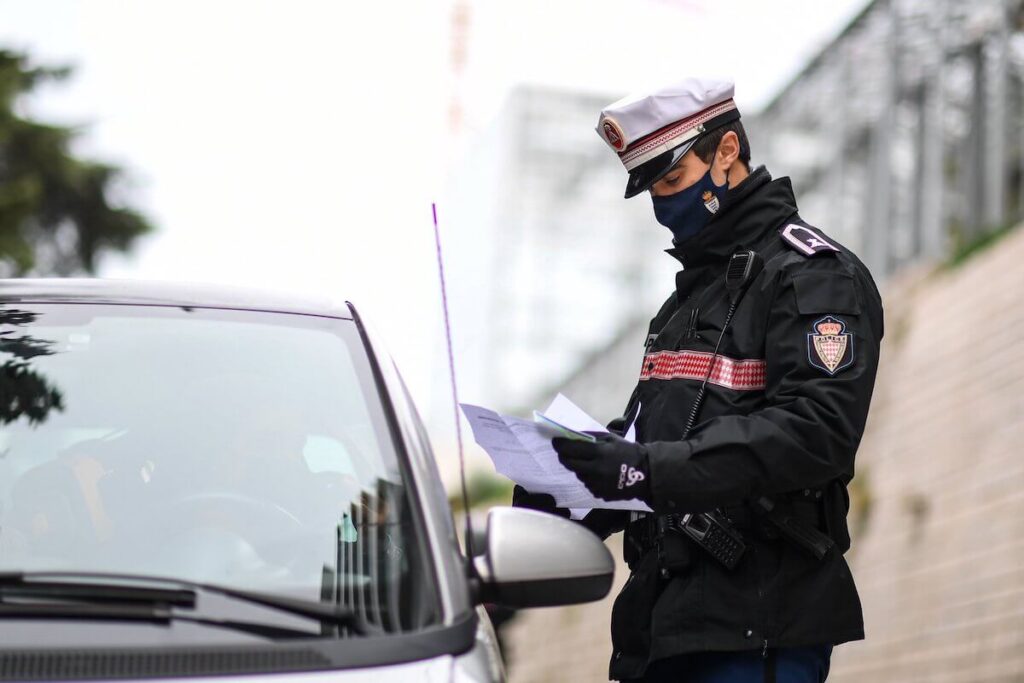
{"type": "Point", "coordinates": [521, 450]}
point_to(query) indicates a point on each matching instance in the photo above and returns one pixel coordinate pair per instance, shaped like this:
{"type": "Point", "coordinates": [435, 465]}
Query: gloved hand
{"type": "Point", "coordinates": [617, 426]}
{"type": "Point", "coordinates": [611, 468]}
{"type": "Point", "coordinates": [543, 502]}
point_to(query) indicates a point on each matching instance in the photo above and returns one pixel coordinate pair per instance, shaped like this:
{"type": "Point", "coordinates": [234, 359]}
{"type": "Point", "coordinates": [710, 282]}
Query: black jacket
{"type": "Point", "coordinates": [783, 416]}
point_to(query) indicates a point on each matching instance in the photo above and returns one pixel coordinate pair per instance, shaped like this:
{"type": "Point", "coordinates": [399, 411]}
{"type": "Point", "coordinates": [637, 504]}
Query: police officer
{"type": "Point", "coordinates": [751, 401]}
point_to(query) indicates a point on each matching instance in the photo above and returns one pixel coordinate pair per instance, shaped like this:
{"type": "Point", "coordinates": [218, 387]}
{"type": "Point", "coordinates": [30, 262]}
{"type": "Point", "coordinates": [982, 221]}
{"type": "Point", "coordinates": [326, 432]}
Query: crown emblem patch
{"type": "Point", "coordinates": [710, 201]}
{"type": "Point", "coordinates": [830, 346]}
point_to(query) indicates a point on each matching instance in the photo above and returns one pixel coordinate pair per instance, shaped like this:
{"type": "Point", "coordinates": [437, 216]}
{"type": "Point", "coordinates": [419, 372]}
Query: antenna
{"type": "Point", "coordinates": [455, 393]}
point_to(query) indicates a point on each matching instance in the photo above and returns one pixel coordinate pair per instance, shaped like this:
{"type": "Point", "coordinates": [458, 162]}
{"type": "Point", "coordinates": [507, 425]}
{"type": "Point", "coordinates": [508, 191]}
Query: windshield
{"type": "Point", "coordinates": [232, 447]}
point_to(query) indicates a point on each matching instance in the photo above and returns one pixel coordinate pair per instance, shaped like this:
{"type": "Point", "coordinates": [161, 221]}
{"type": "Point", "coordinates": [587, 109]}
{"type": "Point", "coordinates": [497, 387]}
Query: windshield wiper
{"type": "Point", "coordinates": [16, 585]}
{"type": "Point", "coordinates": [76, 586]}
{"type": "Point", "coordinates": [133, 612]}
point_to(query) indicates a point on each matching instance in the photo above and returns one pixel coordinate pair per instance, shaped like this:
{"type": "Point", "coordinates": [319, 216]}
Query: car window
{"type": "Point", "coordinates": [232, 447]}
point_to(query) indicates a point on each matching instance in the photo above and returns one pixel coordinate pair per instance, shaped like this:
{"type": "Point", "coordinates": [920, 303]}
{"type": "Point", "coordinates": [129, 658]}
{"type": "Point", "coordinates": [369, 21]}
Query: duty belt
{"type": "Point", "coordinates": [795, 518]}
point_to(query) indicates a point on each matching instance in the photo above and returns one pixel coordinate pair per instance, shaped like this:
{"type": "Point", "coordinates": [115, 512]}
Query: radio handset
{"type": "Point", "coordinates": [712, 531]}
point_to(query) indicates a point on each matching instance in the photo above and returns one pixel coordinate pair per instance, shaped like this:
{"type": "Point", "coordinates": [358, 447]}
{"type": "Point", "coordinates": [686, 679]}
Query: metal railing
{"type": "Point", "coordinates": [905, 136]}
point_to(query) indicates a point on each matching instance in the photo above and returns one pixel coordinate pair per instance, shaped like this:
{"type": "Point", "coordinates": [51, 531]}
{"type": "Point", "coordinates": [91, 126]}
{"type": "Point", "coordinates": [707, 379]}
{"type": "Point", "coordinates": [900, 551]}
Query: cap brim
{"type": "Point", "coordinates": [646, 174]}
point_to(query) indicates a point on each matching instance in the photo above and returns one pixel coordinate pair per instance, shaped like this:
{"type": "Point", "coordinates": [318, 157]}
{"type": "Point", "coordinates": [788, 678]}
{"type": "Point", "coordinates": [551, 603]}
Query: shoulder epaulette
{"type": "Point", "coordinates": [805, 239]}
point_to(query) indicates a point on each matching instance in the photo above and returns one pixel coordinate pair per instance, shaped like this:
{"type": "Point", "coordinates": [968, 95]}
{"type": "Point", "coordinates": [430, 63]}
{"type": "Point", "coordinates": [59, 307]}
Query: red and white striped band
{"type": "Point", "coordinates": [742, 375]}
{"type": "Point", "coordinates": [671, 136]}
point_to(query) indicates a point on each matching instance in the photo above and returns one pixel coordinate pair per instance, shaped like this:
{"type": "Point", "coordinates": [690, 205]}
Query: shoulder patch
{"type": "Point", "coordinates": [829, 345]}
{"type": "Point", "coordinates": [807, 241]}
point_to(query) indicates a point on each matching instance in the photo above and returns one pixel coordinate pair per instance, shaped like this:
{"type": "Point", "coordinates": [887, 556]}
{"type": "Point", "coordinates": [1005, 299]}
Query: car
{"type": "Point", "coordinates": [202, 481]}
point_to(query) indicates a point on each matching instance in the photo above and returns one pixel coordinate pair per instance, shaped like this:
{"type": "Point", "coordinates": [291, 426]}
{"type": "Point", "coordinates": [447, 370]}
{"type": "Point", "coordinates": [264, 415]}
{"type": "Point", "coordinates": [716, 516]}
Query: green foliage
{"type": "Point", "coordinates": [484, 488]}
{"type": "Point", "coordinates": [964, 249]}
{"type": "Point", "coordinates": [862, 502]}
{"type": "Point", "coordinates": [56, 216]}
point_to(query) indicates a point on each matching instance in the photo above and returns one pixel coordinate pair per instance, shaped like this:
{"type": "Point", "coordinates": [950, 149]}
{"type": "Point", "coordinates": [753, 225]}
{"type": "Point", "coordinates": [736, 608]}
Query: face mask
{"type": "Point", "coordinates": [686, 212]}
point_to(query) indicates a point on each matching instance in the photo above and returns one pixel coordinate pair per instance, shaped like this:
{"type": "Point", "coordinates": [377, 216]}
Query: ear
{"type": "Point", "coordinates": [728, 152]}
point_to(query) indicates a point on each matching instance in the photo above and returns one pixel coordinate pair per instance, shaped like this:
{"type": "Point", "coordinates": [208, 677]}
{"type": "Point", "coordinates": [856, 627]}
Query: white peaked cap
{"type": "Point", "coordinates": [642, 127]}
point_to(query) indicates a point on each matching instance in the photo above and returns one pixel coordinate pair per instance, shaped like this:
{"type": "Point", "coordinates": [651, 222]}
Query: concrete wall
{"type": "Point", "coordinates": [938, 550]}
{"type": "Point", "coordinates": [940, 561]}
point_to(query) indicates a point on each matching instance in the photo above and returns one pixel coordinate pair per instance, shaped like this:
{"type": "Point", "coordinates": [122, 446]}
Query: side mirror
{"type": "Point", "coordinates": [533, 559]}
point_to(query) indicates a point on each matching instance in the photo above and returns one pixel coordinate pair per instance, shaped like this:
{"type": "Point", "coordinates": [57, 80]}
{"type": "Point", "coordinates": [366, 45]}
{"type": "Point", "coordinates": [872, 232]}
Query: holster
{"type": "Point", "coordinates": [650, 534]}
{"type": "Point", "coordinates": [808, 519]}
{"type": "Point", "coordinates": [798, 522]}
{"type": "Point", "coordinates": [676, 551]}
{"type": "Point", "coordinates": [639, 539]}
{"type": "Point", "coordinates": [798, 518]}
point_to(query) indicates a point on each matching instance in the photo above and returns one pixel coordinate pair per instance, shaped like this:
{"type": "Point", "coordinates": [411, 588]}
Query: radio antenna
{"type": "Point", "coordinates": [455, 393]}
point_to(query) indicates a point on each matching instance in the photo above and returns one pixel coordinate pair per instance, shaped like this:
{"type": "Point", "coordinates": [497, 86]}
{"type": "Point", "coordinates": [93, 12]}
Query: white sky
{"type": "Point", "coordinates": [298, 145]}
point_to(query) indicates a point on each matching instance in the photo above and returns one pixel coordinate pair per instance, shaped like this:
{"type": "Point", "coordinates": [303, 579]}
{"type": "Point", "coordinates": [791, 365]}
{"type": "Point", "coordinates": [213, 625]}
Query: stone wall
{"type": "Point", "coordinates": [938, 550]}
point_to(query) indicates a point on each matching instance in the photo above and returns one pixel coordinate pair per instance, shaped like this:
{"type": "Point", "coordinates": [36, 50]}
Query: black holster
{"type": "Point", "coordinates": [652, 534]}
{"type": "Point", "coordinates": [800, 529]}
{"type": "Point", "coordinates": [795, 518]}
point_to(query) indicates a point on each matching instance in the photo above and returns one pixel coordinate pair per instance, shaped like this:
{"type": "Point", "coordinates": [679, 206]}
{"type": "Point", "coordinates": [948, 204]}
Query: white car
{"type": "Point", "coordinates": [202, 482]}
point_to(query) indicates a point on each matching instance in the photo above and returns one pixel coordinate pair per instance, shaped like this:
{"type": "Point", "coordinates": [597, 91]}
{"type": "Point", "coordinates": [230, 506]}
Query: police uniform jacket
{"type": "Point", "coordinates": [784, 413]}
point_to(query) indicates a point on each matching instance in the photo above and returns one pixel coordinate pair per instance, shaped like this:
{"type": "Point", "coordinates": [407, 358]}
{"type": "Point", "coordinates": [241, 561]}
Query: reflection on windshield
{"type": "Point", "coordinates": [24, 392]}
{"type": "Point", "coordinates": [368, 558]}
{"type": "Point", "coordinates": [237, 448]}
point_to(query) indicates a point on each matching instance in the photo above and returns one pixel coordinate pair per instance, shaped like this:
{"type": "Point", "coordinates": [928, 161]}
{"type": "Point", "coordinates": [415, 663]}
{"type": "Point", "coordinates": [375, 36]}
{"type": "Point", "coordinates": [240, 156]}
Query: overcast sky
{"type": "Point", "coordinates": [298, 145]}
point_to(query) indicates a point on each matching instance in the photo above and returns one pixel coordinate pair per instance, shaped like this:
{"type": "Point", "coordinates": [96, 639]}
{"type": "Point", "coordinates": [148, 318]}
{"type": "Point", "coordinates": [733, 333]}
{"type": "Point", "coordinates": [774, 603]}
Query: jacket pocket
{"type": "Point", "coordinates": [821, 292]}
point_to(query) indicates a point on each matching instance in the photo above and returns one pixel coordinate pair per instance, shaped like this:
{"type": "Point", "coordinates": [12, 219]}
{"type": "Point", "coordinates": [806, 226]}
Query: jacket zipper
{"type": "Point", "coordinates": [762, 622]}
{"type": "Point", "coordinates": [691, 326]}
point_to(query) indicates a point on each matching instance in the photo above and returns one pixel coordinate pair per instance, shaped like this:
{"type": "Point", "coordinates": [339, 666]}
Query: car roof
{"type": "Point", "coordinates": [154, 293]}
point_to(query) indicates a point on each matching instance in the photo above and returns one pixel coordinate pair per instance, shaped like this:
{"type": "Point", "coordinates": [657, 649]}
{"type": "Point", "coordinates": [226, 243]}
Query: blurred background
{"type": "Point", "coordinates": [299, 146]}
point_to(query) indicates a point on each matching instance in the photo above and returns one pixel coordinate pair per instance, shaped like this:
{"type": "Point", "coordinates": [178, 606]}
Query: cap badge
{"type": "Point", "coordinates": [830, 347]}
{"type": "Point", "coordinates": [613, 135]}
{"type": "Point", "coordinates": [710, 201]}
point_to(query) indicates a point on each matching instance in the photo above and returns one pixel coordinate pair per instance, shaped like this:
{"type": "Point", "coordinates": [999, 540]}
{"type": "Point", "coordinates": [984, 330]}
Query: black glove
{"type": "Point", "coordinates": [603, 523]}
{"type": "Point", "coordinates": [543, 502]}
{"type": "Point", "coordinates": [611, 468]}
{"type": "Point", "coordinates": [618, 426]}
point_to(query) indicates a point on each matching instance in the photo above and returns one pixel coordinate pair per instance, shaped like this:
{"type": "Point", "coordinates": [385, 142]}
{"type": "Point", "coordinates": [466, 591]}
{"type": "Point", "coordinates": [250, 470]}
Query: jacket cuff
{"type": "Point", "coordinates": [664, 459]}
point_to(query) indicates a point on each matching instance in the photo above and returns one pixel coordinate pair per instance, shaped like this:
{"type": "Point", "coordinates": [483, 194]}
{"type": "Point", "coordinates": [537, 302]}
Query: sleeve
{"type": "Point", "coordinates": [821, 353]}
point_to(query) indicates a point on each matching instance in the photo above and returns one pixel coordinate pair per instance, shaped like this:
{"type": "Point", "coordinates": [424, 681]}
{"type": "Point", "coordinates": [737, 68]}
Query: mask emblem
{"type": "Point", "coordinates": [710, 201]}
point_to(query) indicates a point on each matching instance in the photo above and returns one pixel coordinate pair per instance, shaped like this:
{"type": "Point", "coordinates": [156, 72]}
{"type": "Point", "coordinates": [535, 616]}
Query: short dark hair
{"type": "Point", "coordinates": [707, 144]}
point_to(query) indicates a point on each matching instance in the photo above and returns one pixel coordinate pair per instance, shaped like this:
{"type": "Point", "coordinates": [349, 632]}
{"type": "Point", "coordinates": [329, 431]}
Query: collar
{"type": "Point", "coordinates": [749, 211]}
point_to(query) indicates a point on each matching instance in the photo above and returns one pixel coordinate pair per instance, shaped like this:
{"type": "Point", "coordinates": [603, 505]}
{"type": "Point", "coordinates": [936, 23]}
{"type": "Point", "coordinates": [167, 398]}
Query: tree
{"type": "Point", "coordinates": [23, 391]}
{"type": "Point", "coordinates": [56, 214]}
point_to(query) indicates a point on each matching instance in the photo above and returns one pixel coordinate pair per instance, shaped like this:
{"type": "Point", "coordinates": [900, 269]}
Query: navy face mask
{"type": "Point", "coordinates": [686, 212]}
